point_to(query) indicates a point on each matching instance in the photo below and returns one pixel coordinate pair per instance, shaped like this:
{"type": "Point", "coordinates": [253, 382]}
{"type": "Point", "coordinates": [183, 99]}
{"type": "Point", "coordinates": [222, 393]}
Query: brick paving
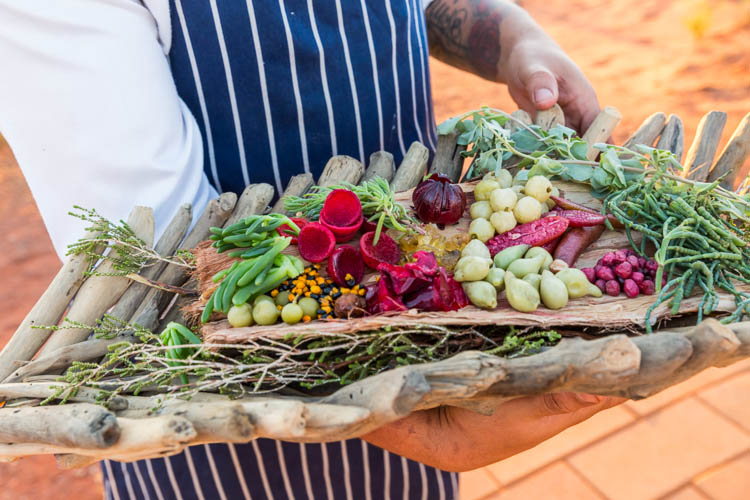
{"type": "Point", "coordinates": [689, 442]}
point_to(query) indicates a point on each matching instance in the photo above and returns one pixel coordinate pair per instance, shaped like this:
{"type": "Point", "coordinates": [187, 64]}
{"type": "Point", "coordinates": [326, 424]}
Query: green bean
{"type": "Point", "coordinates": [233, 279]}
{"type": "Point", "coordinates": [185, 332]}
{"type": "Point", "coordinates": [264, 261]}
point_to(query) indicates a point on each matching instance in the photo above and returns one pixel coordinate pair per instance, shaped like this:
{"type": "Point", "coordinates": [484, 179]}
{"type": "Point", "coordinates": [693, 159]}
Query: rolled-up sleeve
{"type": "Point", "coordinates": [90, 110]}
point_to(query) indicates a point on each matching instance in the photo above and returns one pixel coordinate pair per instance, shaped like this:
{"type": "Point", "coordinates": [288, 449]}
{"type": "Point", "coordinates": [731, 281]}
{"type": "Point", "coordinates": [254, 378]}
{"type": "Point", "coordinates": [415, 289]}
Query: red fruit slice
{"type": "Point", "coordinates": [316, 242]}
{"type": "Point", "coordinates": [345, 266]}
{"type": "Point", "coordinates": [368, 226]}
{"type": "Point", "coordinates": [345, 233]}
{"type": "Point", "coordinates": [285, 230]}
{"type": "Point", "coordinates": [386, 250]}
{"type": "Point", "coordinates": [342, 208]}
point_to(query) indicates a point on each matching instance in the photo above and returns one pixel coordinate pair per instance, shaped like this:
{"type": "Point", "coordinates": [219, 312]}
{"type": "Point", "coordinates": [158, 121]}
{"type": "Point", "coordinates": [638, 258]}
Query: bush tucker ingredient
{"type": "Point", "coordinates": [630, 288]}
{"type": "Point", "coordinates": [496, 278]}
{"type": "Point", "coordinates": [265, 313]}
{"type": "Point", "coordinates": [436, 199]}
{"type": "Point", "coordinates": [481, 229]}
{"type": "Point", "coordinates": [577, 284]}
{"type": "Point", "coordinates": [480, 210]}
{"type": "Point", "coordinates": [527, 209]}
{"type": "Point", "coordinates": [349, 306]}
{"type": "Point", "coordinates": [345, 266]}
{"type": "Point", "coordinates": [483, 189]}
{"type": "Point", "coordinates": [342, 214]}
{"type": "Point", "coordinates": [522, 296]}
{"type": "Point", "coordinates": [612, 287]}
{"type": "Point", "coordinates": [534, 251]}
{"type": "Point", "coordinates": [504, 178]}
{"type": "Point", "coordinates": [502, 200]}
{"type": "Point", "coordinates": [291, 313]}
{"type": "Point", "coordinates": [629, 271]}
{"type": "Point", "coordinates": [522, 267]}
{"type": "Point", "coordinates": [481, 294]}
{"type": "Point", "coordinates": [558, 265]}
{"type": "Point", "coordinates": [579, 218]}
{"type": "Point", "coordinates": [386, 250]}
{"type": "Point", "coordinates": [315, 242]}
{"type": "Point", "coordinates": [605, 273]}
{"type": "Point", "coordinates": [535, 233]}
{"type": "Point", "coordinates": [239, 316]}
{"type": "Point", "coordinates": [553, 292]}
{"type": "Point", "coordinates": [533, 279]}
{"type": "Point", "coordinates": [472, 268]}
{"type": "Point", "coordinates": [647, 287]}
{"type": "Point", "coordinates": [575, 241]}
{"type": "Point", "coordinates": [309, 306]}
{"type": "Point", "coordinates": [261, 298]}
{"type": "Point", "coordinates": [590, 273]}
{"type": "Point", "coordinates": [538, 187]}
{"type": "Point", "coordinates": [504, 258]}
{"type": "Point", "coordinates": [503, 221]}
{"type": "Point", "coordinates": [477, 249]}
{"type": "Point", "coordinates": [624, 270]}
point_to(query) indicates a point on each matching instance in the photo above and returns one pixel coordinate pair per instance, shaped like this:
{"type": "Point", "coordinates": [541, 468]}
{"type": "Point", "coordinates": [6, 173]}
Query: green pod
{"type": "Point", "coordinates": [577, 284]}
{"type": "Point", "coordinates": [481, 294]}
{"type": "Point", "coordinates": [522, 267]}
{"type": "Point", "coordinates": [471, 268]}
{"type": "Point", "coordinates": [477, 249]}
{"type": "Point", "coordinates": [504, 258]}
{"type": "Point", "coordinates": [533, 279]}
{"type": "Point", "coordinates": [553, 291]}
{"type": "Point", "coordinates": [521, 295]}
{"type": "Point", "coordinates": [496, 278]}
{"type": "Point", "coordinates": [534, 251]}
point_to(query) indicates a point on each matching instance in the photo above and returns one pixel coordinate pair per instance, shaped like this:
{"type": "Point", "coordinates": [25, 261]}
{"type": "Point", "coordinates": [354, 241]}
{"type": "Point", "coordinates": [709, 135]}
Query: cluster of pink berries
{"type": "Point", "coordinates": [623, 271]}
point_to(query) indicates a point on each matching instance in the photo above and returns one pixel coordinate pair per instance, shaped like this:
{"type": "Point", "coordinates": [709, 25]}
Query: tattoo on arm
{"type": "Point", "coordinates": [466, 34]}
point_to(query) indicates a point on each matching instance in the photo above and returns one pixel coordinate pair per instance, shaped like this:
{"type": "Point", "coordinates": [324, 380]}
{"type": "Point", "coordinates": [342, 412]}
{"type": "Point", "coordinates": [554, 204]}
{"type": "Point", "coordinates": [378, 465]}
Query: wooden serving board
{"type": "Point", "coordinates": [602, 313]}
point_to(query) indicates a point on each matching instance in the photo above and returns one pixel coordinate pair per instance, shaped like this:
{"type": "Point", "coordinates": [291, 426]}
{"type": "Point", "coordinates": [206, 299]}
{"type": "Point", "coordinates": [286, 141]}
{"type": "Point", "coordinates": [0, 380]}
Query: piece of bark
{"type": "Point", "coordinates": [165, 247]}
{"type": "Point", "coordinates": [673, 137]}
{"type": "Point", "coordinates": [253, 200]}
{"type": "Point", "coordinates": [48, 310]}
{"type": "Point", "coordinates": [99, 293]}
{"type": "Point", "coordinates": [298, 185]}
{"type": "Point", "coordinates": [733, 157]}
{"type": "Point", "coordinates": [341, 169]}
{"type": "Point", "coordinates": [700, 156]}
{"type": "Point", "coordinates": [215, 215]}
{"type": "Point", "coordinates": [548, 118]}
{"type": "Point", "coordinates": [78, 425]}
{"type": "Point", "coordinates": [521, 116]}
{"type": "Point", "coordinates": [381, 165]}
{"type": "Point", "coordinates": [649, 130]}
{"type": "Point", "coordinates": [601, 129]}
{"type": "Point", "coordinates": [448, 160]}
{"type": "Point", "coordinates": [64, 357]}
{"type": "Point", "coordinates": [412, 168]}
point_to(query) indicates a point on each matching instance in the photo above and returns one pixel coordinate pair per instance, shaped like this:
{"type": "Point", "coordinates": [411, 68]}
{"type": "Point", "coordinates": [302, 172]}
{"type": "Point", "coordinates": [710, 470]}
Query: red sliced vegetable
{"type": "Point", "coordinates": [575, 242]}
{"type": "Point", "coordinates": [579, 218]}
{"type": "Point", "coordinates": [345, 233]}
{"type": "Point", "coordinates": [368, 226]}
{"type": "Point", "coordinates": [342, 208]}
{"type": "Point", "coordinates": [535, 234]}
{"type": "Point", "coordinates": [380, 298]}
{"type": "Point", "coordinates": [345, 266]}
{"type": "Point", "coordinates": [315, 242]}
{"type": "Point", "coordinates": [571, 205]}
{"type": "Point", "coordinates": [285, 230]}
{"type": "Point", "coordinates": [424, 263]}
{"type": "Point", "coordinates": [386, 250]}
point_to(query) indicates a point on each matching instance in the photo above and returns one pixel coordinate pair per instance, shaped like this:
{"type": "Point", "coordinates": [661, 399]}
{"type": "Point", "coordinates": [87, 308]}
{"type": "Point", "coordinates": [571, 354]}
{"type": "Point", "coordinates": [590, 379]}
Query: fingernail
{"type": "Point", "coordinates": [589, 399]}
{"type": "Point", "coordinates": [542, 94]}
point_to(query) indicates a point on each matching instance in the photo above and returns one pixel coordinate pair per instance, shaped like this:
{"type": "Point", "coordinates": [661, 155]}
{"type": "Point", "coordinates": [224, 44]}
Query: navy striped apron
{"type": "Point", "coordinates": [277, 88]}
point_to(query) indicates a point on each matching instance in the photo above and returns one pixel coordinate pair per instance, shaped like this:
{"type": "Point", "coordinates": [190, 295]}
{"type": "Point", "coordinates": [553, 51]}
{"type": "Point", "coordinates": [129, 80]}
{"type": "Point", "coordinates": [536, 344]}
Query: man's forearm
{"type": "Point", "coordinates": [478, 35]}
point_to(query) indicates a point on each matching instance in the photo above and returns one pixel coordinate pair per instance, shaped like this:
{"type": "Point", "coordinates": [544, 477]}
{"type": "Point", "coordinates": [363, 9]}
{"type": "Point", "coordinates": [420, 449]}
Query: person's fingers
{"type": "Point", "coordinates": [541, 87]}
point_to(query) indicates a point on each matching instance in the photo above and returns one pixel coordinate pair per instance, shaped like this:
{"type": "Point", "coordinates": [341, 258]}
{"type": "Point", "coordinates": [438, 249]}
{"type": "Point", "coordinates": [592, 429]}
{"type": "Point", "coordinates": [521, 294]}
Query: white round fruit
{"type": "Point", "coordinates": [503, 221]}
{"type": "Point", "coordinates": [527, 209]}
{"type": "Point", "coordinates": [538, 187]}
{"type": "Point", "coordinates": [503, 199]}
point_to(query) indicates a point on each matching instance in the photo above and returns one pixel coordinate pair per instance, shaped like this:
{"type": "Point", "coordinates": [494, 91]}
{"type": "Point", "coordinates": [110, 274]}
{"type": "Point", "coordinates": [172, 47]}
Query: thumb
{"type": "Point", "coordinates": [541, 87]}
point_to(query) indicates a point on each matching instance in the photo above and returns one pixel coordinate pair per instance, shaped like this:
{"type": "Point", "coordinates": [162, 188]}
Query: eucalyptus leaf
{"type": "Point", "coordinates": [579, 173]}
{"type": "Point", "coordinates": [525, 141]}
{"type": "Point", "coordinates": [580, 150]}
{"type": "Point", "coordinates": [448, 125]}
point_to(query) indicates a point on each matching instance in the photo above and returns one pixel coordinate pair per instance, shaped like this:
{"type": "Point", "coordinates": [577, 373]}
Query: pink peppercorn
{"type": "Point", "coordinates": [590, 274]}
{"type": "Point", "coordinates": [647, 287]}
{"type": "Point", "coordinates": [651, 265]}
{"type": "Point", "coordinates": [641, 262]}
{"type": "Point", "coordinates": [633, 261]}
{"type": "Point", "coordinates": [608, 259]}
{"type": "Point", "coordinates": [624, 270]}
{"type": "Point", "coordinates": [605, 273]}
{"type": "Point", "coordinates": [612, 288]}
{"type": "Point", "coordinates": [631, 288]}
{"type": "Point", "coordinates": [637, 276]}
{"type": "Point", "coordinates": [601, 284]}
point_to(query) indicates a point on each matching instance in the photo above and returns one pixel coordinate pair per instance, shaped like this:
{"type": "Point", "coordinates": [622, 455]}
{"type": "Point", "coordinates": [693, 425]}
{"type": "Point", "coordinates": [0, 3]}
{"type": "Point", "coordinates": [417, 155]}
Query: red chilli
{"type": "Point", "coordinates": [535, 234]}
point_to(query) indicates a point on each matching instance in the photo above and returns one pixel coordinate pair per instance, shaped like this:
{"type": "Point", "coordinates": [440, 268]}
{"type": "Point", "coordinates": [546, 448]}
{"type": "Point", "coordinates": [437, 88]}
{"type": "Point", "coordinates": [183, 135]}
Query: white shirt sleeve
{"type": "Point", "coordinates": [90, 110]}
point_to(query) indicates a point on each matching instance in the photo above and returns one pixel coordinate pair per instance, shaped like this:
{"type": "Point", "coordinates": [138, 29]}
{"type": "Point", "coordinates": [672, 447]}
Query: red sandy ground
{"type": "Point", "coordinates": [640, 57]}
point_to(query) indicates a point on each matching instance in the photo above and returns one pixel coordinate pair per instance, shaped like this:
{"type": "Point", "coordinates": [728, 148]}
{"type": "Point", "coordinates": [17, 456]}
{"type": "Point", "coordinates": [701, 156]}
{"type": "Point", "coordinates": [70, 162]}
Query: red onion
{"type": "Point", "coordinates": [436, 199]}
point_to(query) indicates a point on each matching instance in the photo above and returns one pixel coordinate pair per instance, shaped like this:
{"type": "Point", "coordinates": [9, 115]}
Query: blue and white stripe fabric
{"type": "Point", "coordinates": [278, 87]}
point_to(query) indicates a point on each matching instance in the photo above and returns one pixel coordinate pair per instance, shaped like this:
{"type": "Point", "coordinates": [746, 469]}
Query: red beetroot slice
{"type": "Point", "coordinates": [386, 250]}
{"type": "Point", "coordinates": [346, 261]}
{"type": "Point", "coordinates": [316, 242]}
{"type": "Point", "coordinates": [342, 234]}
{"type": "Point", "coordinates": [285, 230]}
{"type": "Point", "coordinates": [342, 208]}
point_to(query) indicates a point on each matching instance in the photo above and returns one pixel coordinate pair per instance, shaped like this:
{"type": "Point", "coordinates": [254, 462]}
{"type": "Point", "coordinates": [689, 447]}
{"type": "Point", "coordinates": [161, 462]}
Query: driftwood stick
{"type": "Point", "coordinates": [48, 310]}
{"type": "Point", "coordinates": [673, 137]}
{"type": "Point", "coordinates": [733, 157]}
{"type": "Point", "coordinates": [99, 293]}
{"type": "Point", "coordinates": [77, 425]}
{"type": "Point", "coordinates": [298, 185]}
{"type": "Point", "coordinates": [700, 156]}
{"type": "Point", "coordinates": [216, 213]}
{"type": "Point", "coordinates": [601, 129]}
{"type": "Point", "coordinates": [43, 390]}
{"type": "Point", "coordinates": [381, 165]}
{"type": "Point", "coordinates": [325, 423]}
{"type": "Point", "coordinates": [64, 357]}
{"type": "Point", "coordinates": [521, 116]}
{"type": "Point", "coordinates": [742, 332]}
{"type": "Point", "coordinates": [412, 168]}
{"type": "Point", "coordinates": [648, 131]}
{"type": "Point", "coordinates": [253, 200]}
{"type": "Point", "coordinates": [548, 118]}
{"type": "Point", "coordinates": [448, 160]}
{"type": "Point", "coordinates": [166, 247]}
{"type": "Point", "coordinates": [340, 169]}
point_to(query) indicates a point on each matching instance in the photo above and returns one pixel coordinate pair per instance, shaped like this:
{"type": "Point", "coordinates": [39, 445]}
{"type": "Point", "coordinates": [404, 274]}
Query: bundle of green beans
{"type": "Point", "coordinates": [175, 334]}
{"type": "Point", "coordinates": [698, 232]}
{"type": "Point", "coordinates": [378, 205]}
{"type": "Point", "coordinates": [261, 266]}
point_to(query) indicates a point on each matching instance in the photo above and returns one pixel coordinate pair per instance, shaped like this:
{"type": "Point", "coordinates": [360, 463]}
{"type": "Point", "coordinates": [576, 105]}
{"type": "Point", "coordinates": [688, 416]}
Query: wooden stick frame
{"type": "Point", "coordinates": [136, 427]}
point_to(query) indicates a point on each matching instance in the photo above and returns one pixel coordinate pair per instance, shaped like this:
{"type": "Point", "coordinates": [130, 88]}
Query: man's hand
{"type": "Point", "coordinates": [498, 40]}
{"type": "Point", "coordinates": [455, 439]}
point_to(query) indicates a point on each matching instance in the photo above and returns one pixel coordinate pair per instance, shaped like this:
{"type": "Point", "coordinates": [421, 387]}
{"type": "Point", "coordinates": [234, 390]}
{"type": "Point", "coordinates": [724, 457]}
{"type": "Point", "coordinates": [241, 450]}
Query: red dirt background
{"type": "Point", "coordinates": [642, 57]}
